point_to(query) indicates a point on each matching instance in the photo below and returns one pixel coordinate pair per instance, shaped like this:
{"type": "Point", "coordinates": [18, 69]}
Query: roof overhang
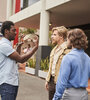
{"type": "Point", "coordinates": [71, 13]}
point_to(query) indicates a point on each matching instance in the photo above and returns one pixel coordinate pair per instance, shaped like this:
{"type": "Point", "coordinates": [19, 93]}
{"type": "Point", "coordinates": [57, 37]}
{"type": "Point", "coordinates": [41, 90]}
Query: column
{"type": "Point", "coordinates": [9, 8]}
{"type": "Point", "coordinates": [44, 25]}
{"type": "Point", "coordinates": [14, 3]}
{"type": "Point", "coordinates": [44, 49]}
{"type": "Point", "coordinates": [44, 28]}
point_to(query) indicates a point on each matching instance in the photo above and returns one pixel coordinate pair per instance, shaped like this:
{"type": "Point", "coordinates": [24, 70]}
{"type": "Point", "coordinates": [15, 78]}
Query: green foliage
{"type": "Point", "coordinates": [44, 64]}
{"type": "Point", "coordinates": [50, 33]}
{"type": "Point", "coordinates": [31, 31]}
{"type": "Point", "coordinates": [27, 31]}
{"type": "Point", "coordinates": [31, 63]}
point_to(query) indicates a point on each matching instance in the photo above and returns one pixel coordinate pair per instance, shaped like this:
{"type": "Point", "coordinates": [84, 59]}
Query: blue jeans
{"type": "Point", "coordinates": [8, 92]}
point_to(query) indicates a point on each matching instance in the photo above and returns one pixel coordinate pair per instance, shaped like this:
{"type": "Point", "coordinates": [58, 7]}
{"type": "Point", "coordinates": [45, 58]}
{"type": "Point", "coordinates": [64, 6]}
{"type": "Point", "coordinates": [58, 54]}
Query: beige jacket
{"type": "Point", "coordinates": [62, 52]}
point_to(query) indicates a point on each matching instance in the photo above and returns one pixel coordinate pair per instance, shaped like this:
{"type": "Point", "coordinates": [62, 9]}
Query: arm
{"type": "Point", "coordinates": [22, 58]}
{"type": "Point", "coordinates": [47, 78]}
{"type": "Point", "coordinates": [62, 78]}
{"type": "Point", "coordinates": [46, 85]}
{"type": "Point", "coordinates": [7, 50]}
{"type": "Point", "coordinates": [48, 74]}
{"type": "Point", "coordinates": [18, 47]}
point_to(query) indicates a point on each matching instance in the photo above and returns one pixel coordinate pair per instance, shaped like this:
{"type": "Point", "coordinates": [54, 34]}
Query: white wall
{"type": "Point", "coordinates": [30, 2]}
{"type": "Point", "coordinates": [54, 3]}
{"type": "Point", "coordinates": [26, 13]}
{"type": "Point", "coordinates": [3, 4]}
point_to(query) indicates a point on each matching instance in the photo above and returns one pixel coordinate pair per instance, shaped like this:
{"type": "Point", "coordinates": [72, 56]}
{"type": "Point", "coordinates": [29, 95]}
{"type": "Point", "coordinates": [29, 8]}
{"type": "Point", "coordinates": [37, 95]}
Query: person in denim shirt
{"type": "Point", "coordinates": [75, 69]}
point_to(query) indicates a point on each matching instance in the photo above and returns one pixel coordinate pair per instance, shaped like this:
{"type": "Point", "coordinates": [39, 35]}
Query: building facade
{"type": "Point", "coordinates": [3, 10]}
{"type": "Point", "coordinates": [45, 14]}
{"type": "Point", "coordinates": [3, 4]}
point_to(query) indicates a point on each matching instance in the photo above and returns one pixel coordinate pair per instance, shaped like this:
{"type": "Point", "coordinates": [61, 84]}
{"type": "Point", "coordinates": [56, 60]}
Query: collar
{"type": "Point", "coordinates": [63, 46]}
{"type": "Point", "coordinates": [75, 49]}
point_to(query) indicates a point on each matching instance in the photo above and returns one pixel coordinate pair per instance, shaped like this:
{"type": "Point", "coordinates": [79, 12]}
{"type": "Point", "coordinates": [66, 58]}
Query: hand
{"type": "Point", "coordinates": [18, 48]}
{"type": "Point", "coordinates": [46, 86]}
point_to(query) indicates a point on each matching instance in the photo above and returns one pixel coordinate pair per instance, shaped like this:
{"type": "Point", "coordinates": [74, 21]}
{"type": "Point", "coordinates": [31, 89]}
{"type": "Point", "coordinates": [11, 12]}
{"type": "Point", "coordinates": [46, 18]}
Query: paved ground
{"type": "Point", "coordinates": [32, 88]}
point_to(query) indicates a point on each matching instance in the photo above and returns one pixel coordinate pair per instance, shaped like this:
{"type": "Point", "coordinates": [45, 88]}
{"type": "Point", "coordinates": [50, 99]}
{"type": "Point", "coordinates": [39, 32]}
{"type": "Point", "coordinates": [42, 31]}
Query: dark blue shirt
{"type": "Point", "coordinates": [74, 72]}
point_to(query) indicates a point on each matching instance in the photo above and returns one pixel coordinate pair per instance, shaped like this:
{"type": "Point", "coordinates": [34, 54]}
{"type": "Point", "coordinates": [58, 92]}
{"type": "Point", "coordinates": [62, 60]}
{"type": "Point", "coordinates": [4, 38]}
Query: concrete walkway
{"type": "Point", "coordinates": [31, 88]}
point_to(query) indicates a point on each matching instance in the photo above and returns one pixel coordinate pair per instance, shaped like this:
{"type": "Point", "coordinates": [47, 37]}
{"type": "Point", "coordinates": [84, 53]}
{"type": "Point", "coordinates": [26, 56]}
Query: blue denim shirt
{"type": "Point", "coordinates": [74, 72]}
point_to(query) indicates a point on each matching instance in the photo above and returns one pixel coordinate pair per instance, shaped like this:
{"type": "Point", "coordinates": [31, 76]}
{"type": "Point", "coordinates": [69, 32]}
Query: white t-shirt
{"type": "Point", "coordinates": [8, 67]}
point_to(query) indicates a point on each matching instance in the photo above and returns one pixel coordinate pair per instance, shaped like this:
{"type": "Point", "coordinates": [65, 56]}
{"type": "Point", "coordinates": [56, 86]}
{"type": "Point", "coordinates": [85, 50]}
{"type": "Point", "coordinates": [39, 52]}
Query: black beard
{"type": "Point", "coordinates": [11, 39]}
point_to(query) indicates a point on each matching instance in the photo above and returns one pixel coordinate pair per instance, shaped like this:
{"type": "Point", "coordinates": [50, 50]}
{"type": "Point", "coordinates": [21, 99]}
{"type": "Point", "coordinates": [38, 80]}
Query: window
{"type": "Point", "coordinates": [26, 3]}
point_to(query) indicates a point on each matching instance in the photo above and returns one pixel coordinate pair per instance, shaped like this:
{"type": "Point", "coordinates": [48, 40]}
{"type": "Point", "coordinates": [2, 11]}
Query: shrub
{"type": "Point", "coordinates": [31, 63]}
{"type": "Point", "coordinates": [44, 64]}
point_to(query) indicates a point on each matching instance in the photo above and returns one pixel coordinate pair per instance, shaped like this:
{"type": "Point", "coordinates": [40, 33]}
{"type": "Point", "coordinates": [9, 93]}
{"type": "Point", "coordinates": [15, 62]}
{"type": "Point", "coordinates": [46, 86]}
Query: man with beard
{"type": "Point", "coordinates": [59, 35]}
{"type": "Point", "coordinates": [8, 62]}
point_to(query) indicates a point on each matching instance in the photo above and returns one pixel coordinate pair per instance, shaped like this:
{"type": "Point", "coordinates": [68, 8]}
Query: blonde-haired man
{"type": "Point", "coordinates": [59, 35]}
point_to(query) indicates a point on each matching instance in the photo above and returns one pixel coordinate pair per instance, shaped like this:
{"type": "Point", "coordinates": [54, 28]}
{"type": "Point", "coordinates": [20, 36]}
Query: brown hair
{"type": "Point", "coordinates": [77, 38]}
{"type": "Point", "coordinates": [62, 31]}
